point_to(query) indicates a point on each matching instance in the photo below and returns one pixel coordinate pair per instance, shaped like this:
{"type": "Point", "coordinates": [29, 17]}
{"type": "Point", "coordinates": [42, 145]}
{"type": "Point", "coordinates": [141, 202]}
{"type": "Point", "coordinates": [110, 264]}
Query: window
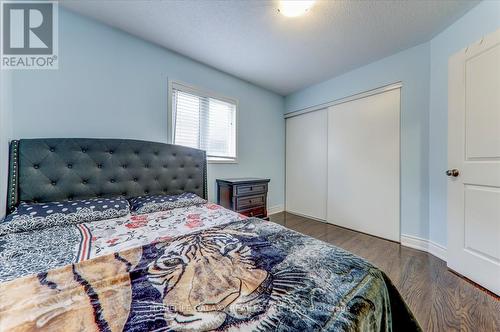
{"type": "Point", "coordinates": [204, 121]}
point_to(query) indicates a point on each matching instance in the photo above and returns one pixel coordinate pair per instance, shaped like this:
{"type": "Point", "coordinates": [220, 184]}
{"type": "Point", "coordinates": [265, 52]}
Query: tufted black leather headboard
{"type": "Point", "coordinates": [55, 169]}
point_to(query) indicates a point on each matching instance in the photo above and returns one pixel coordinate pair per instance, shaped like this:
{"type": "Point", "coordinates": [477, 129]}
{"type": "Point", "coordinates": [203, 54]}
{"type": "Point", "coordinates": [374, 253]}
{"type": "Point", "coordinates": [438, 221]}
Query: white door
{"type": "Point", "coordinates": [306, 164]}
{"type": "Point", "coordinates": [474, 162]}
{"type": "Point", "coordinates": [363, 164]}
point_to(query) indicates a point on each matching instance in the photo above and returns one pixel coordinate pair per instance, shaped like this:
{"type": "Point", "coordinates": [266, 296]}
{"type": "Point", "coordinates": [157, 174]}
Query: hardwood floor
{"type": "Point", "coordinates": [439, 299]}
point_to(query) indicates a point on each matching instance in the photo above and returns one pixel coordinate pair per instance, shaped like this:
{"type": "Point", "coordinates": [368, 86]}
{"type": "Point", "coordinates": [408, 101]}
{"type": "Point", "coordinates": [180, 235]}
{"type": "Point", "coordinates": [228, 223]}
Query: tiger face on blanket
{"type": "Point", "coordinates": [202, 279]}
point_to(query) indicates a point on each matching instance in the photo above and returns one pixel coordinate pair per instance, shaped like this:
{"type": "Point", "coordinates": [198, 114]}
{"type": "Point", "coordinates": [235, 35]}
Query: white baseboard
{"type": "Point", "coordinates": [275, 209]}
{"type": "Point", "coordinates": [305, 215]}
{"type": "Point", "coordinates": [425, 245]}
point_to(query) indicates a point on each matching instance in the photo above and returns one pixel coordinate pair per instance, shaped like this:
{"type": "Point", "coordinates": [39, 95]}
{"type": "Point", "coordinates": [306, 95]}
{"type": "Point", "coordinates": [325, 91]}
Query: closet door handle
{"type": "Point", "coordinates": [453, 172]}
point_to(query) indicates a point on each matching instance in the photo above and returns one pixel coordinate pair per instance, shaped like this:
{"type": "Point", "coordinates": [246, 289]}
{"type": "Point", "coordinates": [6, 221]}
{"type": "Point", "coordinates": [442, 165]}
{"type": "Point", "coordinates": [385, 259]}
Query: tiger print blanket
{"type": "Point", "coordinates": [245, 275]}
{"type": "Point", "coordinates": [44, 249]}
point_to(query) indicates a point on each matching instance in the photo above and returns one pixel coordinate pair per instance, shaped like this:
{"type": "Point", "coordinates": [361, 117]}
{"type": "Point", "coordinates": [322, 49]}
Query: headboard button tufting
{"type": "Point", "coordinates": [131, 167]}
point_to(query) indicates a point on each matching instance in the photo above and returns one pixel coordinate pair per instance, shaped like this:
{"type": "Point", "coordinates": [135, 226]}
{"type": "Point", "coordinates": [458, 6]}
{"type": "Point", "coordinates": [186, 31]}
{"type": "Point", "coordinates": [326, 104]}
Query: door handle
{"type": "Point", "coordinates": [453, 172]}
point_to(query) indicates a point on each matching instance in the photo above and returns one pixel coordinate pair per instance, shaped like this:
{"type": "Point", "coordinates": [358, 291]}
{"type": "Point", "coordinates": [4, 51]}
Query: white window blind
{"type": "Point", "coordinates": [204, 122]}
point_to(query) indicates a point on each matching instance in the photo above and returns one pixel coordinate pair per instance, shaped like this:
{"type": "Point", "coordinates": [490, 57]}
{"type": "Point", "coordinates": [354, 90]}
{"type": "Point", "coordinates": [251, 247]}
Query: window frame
{"type": "Point", "coordinates": [188, 88]}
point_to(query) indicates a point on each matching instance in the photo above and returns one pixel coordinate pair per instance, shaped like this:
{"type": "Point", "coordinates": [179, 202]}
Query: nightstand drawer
{"type": "Point", "coordinates": [246, 202]}
{"type": "Point", "coordinates": [259, 212]}
{"type": "Point", "coordinates": [250, 189]}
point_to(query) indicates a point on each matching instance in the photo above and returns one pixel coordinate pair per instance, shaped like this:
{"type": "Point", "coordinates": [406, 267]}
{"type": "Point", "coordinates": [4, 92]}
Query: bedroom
{"type": "Point", "coordinates": [274, 95]}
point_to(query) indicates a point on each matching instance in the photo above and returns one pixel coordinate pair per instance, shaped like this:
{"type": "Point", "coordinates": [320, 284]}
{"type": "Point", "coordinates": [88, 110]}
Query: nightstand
{"type": "Point", "coordinates": [247, 196]}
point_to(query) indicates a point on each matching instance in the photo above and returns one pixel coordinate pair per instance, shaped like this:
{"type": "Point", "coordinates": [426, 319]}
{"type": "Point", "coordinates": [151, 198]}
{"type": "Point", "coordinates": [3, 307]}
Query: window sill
{"type": "Point", "coordinates": [219, 161]}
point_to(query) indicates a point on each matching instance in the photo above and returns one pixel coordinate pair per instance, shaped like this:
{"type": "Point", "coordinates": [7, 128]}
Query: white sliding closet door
{"type": "Point", "coordinates": [306, 163]}
{"type": "Point", "coordinates": [363, 164]}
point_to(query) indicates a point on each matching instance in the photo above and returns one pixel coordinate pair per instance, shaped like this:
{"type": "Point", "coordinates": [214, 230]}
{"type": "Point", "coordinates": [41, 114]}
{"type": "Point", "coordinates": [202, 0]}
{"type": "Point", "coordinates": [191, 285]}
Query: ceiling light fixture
{"type": "Point", "coordinates": [294, 8]}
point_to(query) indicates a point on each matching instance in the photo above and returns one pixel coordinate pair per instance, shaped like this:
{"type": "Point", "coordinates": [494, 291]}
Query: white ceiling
{"type": "Point", "coordinates": [250, 40]}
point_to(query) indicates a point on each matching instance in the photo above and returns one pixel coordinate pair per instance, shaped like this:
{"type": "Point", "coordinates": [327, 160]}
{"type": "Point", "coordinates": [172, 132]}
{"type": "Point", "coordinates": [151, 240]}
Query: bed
{"type": "Point", "coordinates": [193, 266]}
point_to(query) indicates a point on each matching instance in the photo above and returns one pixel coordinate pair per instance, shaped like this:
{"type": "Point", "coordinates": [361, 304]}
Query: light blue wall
{"type": "Point", "coordinates": [411, 67]}
{"type": "Point", "coordinates": [481, 20]}
{"type": "Point", "coordinates": [5, 133]}
{"type": "Point", "coordinates": [111, 84]}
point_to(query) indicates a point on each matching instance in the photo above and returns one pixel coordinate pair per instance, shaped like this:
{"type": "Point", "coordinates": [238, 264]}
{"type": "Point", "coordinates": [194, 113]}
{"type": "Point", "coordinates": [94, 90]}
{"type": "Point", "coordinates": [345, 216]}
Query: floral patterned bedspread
{"type": "Point", "coordinates": [41, 250]}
